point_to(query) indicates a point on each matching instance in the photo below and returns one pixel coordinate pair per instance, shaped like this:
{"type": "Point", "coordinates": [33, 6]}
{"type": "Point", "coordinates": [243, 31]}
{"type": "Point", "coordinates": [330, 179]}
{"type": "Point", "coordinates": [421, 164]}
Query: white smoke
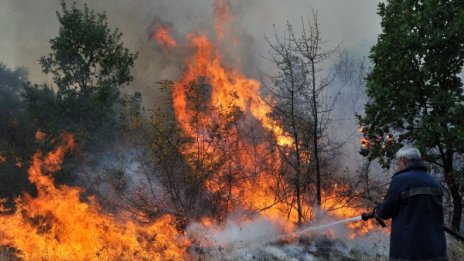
{"type": "Point", "coordinates": [261, 238]}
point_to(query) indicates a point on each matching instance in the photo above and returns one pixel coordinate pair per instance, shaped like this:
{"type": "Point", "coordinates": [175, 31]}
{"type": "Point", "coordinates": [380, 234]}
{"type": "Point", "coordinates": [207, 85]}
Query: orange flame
{"type": "Point", "coordinates": [228, 89]}
{"type": "Point", "coordinates": [57, 225]}
{"type": "Point", "coordinates": [39, 135]}
{"type": "Point", "coordinates": [364, 141]}
{"type": "Point", "coordinates": [345, 207]}
{"type": "Point", "coordinates": [222, 15]}
{"type": "Point", "coordinates": [2, 158]}
{"type": "Point", "coordinates": [162, 36]}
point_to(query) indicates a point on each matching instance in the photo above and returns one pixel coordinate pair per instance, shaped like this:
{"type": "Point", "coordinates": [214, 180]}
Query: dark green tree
{"type": "Point", "coordinates": [89, 66]}
{"type": "Point", "coordinates": [415, 88]}
{"type": "Point", "coordinates": [15, 133]}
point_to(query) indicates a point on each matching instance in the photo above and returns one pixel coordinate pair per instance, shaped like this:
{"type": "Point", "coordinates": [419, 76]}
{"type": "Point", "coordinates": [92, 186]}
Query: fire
{"type": "Point", "coordinates": [162, 35]}
{"type": "Point", "coordinates": [58, 225]}
{"type": "Point", "coordinates": [255, 164]}
{"type": "Point", "coordinates": [343, 207]}
{"type": "Point", "coordinates": [39, 135]}
{"type": "Point", "coordinates": [364, 141]}
{"type": "Point", "coordinates": [222, 15]}
{"type": "Point", "coordinates": [229, 91]}
{"type": "Point", "coordinates": [229, 88]}
{"type": "Point", "coordinates": [2, 158]}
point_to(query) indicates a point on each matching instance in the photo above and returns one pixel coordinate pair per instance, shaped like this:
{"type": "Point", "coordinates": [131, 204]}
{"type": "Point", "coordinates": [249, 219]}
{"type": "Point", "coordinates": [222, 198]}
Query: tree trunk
{"type": "Point", "coordinates": [457, 208]}
{"type": "Point", "coordinates": [453, 187]}
{"type": "Point", "coordinates": [316, 136]}
{"type": "Point", "coordinates": [457, 199]}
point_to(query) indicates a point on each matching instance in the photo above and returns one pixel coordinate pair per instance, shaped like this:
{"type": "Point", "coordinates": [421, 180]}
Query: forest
{"type": "Point", "coordinates": [222, 163]}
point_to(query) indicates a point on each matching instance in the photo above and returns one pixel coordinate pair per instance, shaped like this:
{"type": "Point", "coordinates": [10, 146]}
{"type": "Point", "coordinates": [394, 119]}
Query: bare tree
{"type": "Point", "coordinates": [309, 46]}
{"type": "Point", "coordinates": [290, 88]}
{"type": "Point", "coordinates": [306, 97]}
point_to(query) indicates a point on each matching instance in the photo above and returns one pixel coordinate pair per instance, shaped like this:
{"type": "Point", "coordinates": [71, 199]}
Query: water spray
{"type": "Point", "coordinates": [324, 226]}
{"type": "Point", "coordinates": [353, 219]}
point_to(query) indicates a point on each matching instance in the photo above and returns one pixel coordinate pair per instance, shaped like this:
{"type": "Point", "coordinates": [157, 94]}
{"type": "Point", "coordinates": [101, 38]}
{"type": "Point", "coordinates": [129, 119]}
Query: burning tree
{"type": "Point", "coordinates": [416, 88]}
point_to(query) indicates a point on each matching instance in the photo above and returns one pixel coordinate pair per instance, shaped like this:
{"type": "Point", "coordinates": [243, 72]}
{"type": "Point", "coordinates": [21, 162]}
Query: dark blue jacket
{"type": "Point", "coordinates": [414, 202]}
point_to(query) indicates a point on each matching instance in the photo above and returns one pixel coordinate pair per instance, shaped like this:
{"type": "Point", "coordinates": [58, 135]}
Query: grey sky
{"type": "Point", "coordinates": [27, 25]}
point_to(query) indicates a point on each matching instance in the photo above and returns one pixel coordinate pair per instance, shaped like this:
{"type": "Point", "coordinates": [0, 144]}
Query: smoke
{"type": "Point", "coordinates": [26, 26]}
{"type": "Point", "coordinates": [234, 239]}
{"type": "Point", "coordinates": [260, 238]}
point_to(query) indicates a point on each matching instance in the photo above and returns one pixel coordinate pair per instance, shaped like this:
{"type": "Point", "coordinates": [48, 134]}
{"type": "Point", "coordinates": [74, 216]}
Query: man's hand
{"type": "Point", "coordinates": [369, 215]}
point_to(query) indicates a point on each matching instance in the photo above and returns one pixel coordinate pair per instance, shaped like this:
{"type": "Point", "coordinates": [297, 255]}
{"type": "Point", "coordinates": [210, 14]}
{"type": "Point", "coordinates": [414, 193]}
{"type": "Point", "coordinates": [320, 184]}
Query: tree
{"type": "Point", "coordinates": [89, 66]}
{"type": "Point", "coordinates": [16, 136]}
{"type": "Point", "coordinates": [305, 101]}
{"type": "Point", "coordinates": [186, 164]}
{"type": "Point", "coordinates": [415, 88]}
{"type": "Point", "coordinates": [290, 88]}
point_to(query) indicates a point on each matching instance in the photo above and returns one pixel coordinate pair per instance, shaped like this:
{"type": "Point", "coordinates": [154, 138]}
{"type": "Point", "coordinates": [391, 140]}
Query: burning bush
{"type": "Point", "coordinates": [58, 225]}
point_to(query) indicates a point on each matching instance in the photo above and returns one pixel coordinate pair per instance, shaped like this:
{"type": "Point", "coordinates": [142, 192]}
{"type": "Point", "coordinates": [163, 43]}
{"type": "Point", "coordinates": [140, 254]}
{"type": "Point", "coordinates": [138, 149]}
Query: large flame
{"type": "Point", "coordinates": [254, 164]}
{"type": "Point", "coordinates": [58, 225]}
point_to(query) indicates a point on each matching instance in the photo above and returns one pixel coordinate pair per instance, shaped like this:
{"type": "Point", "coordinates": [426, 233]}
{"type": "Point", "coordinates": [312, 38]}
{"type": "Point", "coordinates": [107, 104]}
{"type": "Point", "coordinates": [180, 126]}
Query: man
{"type": "Point", "coordinates": [414, 202]}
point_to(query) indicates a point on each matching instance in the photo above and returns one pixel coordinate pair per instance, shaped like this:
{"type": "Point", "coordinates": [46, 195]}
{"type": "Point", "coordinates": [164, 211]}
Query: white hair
{"type": "Point", "coordinates": [408, 153]}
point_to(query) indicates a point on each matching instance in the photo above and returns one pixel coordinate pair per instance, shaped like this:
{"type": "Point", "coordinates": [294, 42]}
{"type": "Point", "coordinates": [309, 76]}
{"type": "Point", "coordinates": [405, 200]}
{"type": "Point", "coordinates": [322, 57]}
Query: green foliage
{"type": "Point", "coordinates": [416, 88]}
{"type": "Point", "coordinates": [89, 66]}
{"type": "Point", "coordinates": [415, 85]}
{"type": "Point", "coordinates": [87, 57]}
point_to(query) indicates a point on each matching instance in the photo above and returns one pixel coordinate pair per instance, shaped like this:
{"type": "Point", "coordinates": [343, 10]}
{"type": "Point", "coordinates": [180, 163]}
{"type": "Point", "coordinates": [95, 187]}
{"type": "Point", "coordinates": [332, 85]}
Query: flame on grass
{"type": "Point", "coordinates": [58, 225]}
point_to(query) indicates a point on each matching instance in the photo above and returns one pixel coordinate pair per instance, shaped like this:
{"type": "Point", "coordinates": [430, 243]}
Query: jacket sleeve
{"type": "Point", "coordinates": [389, 206]}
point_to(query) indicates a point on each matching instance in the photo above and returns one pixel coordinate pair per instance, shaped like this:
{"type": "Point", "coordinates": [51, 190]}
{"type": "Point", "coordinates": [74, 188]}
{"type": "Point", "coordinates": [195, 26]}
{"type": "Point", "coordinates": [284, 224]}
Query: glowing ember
{"type": "Point", "coordinates": [364, 141]}
{"type": "Point", "coordinates": [18, 163]}
{"type": "Point", "coordinates": [40, 135]}
{"type": "Point", "coordinates": [162, 36]}
{"type": "Point", "coordinates": [57, 225]}
{"type": "Point", "coordinates": [2, 158]}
